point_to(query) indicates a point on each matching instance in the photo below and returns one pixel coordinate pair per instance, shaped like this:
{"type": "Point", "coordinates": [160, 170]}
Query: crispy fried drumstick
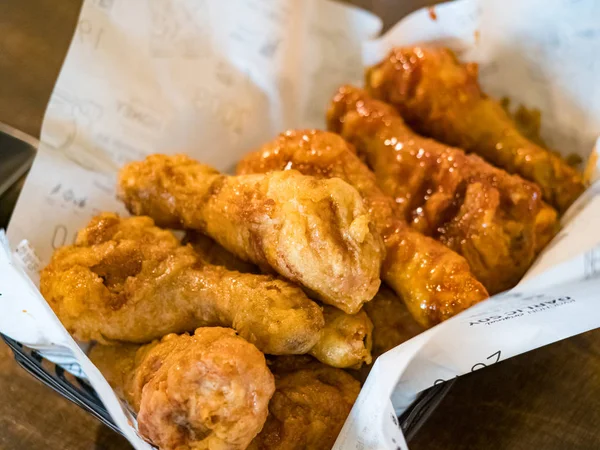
{"type": "Point", "coordinates": [435, 282]}
{"type": "Point", "coordinates": [127, 280]}
{"type": "Point", "coordinates": [477, 210]}
{"type": "Point", "coordinates": [345, 340]}
{"type": "Point", "coordinates": [208, 390]}
{"type": "Point", "coordinates": [309, 407]}
{"type": "Point", "coordinates": [441, 98]}
{"type": "Point", "coordinates": [313, 232]}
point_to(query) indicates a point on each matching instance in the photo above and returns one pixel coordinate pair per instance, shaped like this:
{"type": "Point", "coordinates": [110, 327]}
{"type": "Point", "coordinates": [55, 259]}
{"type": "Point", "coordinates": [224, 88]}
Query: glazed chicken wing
{"type": "Point", "coordinates": [344, 341]}
{"type": "Point", "coordinates": [435, 282]}
{"type": "Point", "coordinates": [477, 210]}
{"type": "Point", "coordinates": [309, 407]}
{"type": "Point", "coordinates": [127, 280]}
{"type": "Point", "coordinates": [441, 98]}
{"type": "Point", "coordinates": [313, 232]}
{"type": "Point", "coordinates": [210, 390]}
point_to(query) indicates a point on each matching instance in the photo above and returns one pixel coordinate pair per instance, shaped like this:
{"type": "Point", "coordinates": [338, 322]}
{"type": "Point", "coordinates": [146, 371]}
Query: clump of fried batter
{"type": "Point", "coordinates": [206, 390]}
{"type": "Point", "coordinates": [345, 340]}
{"type": "Point", "coordinates": [313, 232]}
{"type": "Point", "coordinates": [127, 280]}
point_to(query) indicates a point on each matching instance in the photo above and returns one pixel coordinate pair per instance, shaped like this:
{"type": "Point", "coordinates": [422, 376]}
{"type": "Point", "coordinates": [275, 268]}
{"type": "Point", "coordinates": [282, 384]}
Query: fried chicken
{"type": "Point", "coordinates": [441, 98]}
{"type": "Point", "coordinates": [127, 280]}
{"type": "Point", "coordinates": [392, 322]}
{"type": "Point", "coordinates": [345, 340]}
{"type": "Point", "coordinates": [434, 282]}
{"type": "Point", "coordinates": [212, 253]}
{"type": "Point", "coordinates": [546, 226]}
{"type": "Point", "coordinates": [477, 210]}
{"type": "Point", "coordinates": [309, 407]}
{"type": "Point", "coordinates": [393, 325]}
{"type": "Point", "coordinates": [313, 232]}
{"type": "Point", "coordinates": [210, 390]}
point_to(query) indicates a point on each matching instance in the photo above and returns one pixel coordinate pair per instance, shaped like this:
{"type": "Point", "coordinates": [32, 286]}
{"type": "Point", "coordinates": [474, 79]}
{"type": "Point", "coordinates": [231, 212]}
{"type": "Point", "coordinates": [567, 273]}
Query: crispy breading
{"type": "Point", "coordinates": [127, 280]}
{"type": "Point", "coordinates": [435, 282]}
{"type": "Point", "coordinates": [345, 340]}
{"type": "Point", "coordinates": [314, 232]}
{"type": "Point", "coordinates": [441, 98]}
{"type": "Point", "coordinates": [206, 390]}
{"type": "Point", "coordinates": [309, 407]}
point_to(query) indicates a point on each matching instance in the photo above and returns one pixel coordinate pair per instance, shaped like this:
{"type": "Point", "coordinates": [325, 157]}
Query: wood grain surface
{"type": "Point", "coordinates": [547, 399]}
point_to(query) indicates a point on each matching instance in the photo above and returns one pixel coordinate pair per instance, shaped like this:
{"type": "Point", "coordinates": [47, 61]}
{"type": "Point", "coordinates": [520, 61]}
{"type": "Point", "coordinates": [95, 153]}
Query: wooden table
{"type": "Point", "coordinates": [548, 399]}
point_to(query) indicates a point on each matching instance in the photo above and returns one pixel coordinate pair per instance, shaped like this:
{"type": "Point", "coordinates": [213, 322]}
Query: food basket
{"type": "Point", "coordinates": [95, 124]}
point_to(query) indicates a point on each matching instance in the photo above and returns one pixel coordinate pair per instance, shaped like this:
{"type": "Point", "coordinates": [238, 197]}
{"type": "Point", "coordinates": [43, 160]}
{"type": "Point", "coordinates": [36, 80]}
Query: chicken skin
{"type": "Point", "coordinates": [477, 210]}
{"type": "Point", "coordinates": [127, 280]}
{"type": "Point", "coordinates": [309, 407]}
{"type": "Point", "coordinates": [345, 340]}
{"type": "Point", "coordinates": [209, 390]}
{"type": "Point", "coordinates": [434, 282]}
{"type": "Point", "coordinates": [439, 97]}
{"type": "Point", "coordinates": [313, 232]}
{"type": "Point", "coordinates": [212, 253]}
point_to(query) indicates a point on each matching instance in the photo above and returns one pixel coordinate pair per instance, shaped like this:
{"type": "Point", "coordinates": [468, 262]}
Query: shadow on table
{"type": "Point", "coordinates": [107, 439]}
{"type": "Point", "coordinates": [547, 399]}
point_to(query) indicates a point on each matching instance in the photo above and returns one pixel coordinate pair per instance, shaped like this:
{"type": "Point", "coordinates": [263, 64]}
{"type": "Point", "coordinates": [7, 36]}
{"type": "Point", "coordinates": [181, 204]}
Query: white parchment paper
{"type": "Point", "coordinates": [217, 79]}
